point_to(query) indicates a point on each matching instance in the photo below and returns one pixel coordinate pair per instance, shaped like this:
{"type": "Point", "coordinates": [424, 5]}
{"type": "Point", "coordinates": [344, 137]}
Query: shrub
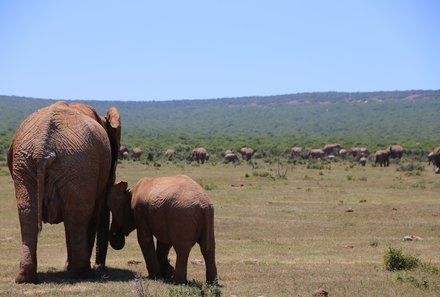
{"type": "Point", "coordinates": [395, 260]}
{"type": "Point", "coordinates": [260, 173]}
{"type": "Point", "coordinates": [411, 166]}
{"type": "Point", "coordinates": [194, 291]}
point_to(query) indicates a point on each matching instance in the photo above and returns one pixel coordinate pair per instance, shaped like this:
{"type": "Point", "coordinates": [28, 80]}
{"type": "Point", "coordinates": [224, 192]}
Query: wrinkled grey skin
{"type": "Point", "coordinates": [177, 212]}
{"type": "Point", "coordinates": [62, 160]}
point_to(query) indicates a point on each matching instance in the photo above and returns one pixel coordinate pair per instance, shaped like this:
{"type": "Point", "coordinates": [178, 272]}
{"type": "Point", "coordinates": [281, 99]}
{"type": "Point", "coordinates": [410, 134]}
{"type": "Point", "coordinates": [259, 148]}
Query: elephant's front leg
{"type": "Point", "coordinates": [145, 240]}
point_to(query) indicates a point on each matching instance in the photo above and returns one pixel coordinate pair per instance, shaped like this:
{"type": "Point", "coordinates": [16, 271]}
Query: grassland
{"type": "Point", "coordinates": [275, 236]}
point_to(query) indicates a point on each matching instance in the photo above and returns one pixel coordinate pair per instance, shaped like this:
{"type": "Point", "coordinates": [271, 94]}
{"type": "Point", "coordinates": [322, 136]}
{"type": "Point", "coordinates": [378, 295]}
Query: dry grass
{"type": "Point", "coordinates": [275, 237]}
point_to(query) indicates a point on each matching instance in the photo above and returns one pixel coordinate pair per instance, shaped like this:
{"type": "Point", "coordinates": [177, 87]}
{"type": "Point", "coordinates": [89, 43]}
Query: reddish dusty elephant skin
{"type": "Point", "coordinates": [177, 212]}
{"type": "Point", "coordinates": [62, 160]}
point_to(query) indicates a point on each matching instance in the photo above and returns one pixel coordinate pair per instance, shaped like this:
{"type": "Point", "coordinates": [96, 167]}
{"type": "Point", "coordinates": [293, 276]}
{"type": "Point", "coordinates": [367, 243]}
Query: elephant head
{"type": "Point", "coordinates": [119, 202]}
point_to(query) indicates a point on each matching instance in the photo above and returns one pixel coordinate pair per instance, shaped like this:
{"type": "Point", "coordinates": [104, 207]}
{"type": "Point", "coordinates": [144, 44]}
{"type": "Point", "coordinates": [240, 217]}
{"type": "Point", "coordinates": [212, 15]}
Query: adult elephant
{"type": "Point", "coordinates": [434, 158]}
{"type": "Point", "coordinates": [331, 149]}
{"type": "Point", "coordinates": [382, 157]}
{"type": "Point", "coordinates": [231, 156]}
{"type": "Point", "coordinates": [137, 152]}
{"type": "Point", "coordinates": [343, 153]}
{"type": "Point", "coordinates": [169, 153]}
{"type": "Point", "coordinates": [247, 153]}
{"type": "Point", "coordinates": [316, 153]}
{"type": "Point", "coordinates": [396, 151]}
{"type": "Point", "coordinates": [63, 160]}
{"type": "Point", "coordinates": [295, 152]}
{"type": "Point", "coordinates": [123, 153]}
{"type": "Point", "coordinates": [200, 155]}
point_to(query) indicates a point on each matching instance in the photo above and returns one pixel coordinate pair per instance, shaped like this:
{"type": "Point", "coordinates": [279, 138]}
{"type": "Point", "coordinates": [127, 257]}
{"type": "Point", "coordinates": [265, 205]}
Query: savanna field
{"type": "Point", "coordinates": [280, 231]}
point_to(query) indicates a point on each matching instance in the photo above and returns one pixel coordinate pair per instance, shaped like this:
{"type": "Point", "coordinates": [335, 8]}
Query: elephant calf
{"type": "Point", "coordinates": [176, 211]}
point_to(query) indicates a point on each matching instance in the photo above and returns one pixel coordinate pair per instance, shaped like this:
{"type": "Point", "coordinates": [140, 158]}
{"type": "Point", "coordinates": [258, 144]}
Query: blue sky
{"type": "Point", "coordinates": [166, 50]}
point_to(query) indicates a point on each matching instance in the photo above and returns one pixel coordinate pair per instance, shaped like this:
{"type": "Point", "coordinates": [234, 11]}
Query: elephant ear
{"type": "Point", "coordinates": [113, 127]}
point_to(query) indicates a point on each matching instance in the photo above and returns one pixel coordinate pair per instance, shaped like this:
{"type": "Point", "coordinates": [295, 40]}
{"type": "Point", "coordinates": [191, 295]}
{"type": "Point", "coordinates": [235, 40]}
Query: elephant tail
{"type": "Point", "coordinates": [209, 229]}
{"type": "Point", "coordinates": [42, 165]}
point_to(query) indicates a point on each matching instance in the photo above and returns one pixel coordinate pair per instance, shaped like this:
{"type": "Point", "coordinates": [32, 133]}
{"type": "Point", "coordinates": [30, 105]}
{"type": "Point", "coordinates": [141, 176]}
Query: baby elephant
{"type": "Point", "coordinates": [176, 211]}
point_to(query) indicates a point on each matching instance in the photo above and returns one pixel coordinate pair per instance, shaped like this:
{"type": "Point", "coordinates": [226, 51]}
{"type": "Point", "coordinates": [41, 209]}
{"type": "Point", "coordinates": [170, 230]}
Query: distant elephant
{"type": "Point", "coordinates": [136, 154]}
{"type": "Point", "coordinates": [343, 153]}
{"type": "Point", "coordinates": [430, 158]}
{"type": "Point", "coordinates": [177, 212]}
{"type": "Point", "coordinates": [200, 155]}
{"type": "Point", "coordinates": [359, 152]}
{"type": "Point", "coordinates": [231, 156]}
{"type": "Point", "coordinates": [396, 151]}
{"type": "Point", "coordinates": [382, 157]}
{"type": "Point", "coordinates": [435, 158]}
{"type": "Point", "coordinates": [62, 160]}
{"type": "Point", "coordinates": [363, 161]}
{"type": "Point", "coordinates": [247, 153]}
{"type": "Point", "coordinates": [125, 156]}
{"type": "Point", "coordinates": [295, 152]}
{"type": "Point", "coordinates": [169, 153]}
{"type": "Point", "coordinates": [331, 149]}
{"type": "Point", "coordinates": [123, 153]}
{"type": "Point", "coordinates": [316, 153]}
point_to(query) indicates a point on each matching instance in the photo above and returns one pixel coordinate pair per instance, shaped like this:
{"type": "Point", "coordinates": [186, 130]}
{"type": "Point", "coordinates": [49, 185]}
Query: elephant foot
{"type": "Point", "coordinates": [82, 273]}
{"type": "Point", "coordinates": [179, 281]}
{"type": "Point", "coordinates": [26, 277]}
{"type": "Point", "coordinates": [167, 272]}
{"type": "Point", "coordinates": [66, 266]}
{"type": "Point", "coordinates": [100, 268]}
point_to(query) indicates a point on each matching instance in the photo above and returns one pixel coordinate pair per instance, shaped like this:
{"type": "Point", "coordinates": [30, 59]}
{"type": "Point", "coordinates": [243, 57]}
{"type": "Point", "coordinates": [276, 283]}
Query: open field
{"type": "Point", "coordinates": [275, 236]}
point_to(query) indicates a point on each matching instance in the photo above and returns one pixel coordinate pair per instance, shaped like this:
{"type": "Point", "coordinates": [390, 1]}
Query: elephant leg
{"type": "Point", "coordinates": [162, 252]}
{"type": "Point", "coordinates": [78, 250]}
{"type": "Point", "coordinates": [69, 252]}
{"type": "Point", "coordinates": [102, 237]}
{"type": "Point", "coordinates": [29, 238]}
{"type": "Point", "coordinates": [182, 252]}
{"type": "Point", "coordinates": [28, 217]}
{"type": "Point", "coordinates": [209, 257]}
{"type": "Point", "coordinates": [145, 240]}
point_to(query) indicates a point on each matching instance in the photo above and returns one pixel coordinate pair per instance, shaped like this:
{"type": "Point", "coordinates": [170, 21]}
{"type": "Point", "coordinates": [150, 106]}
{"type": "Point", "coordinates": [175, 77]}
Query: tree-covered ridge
{"type": "Point", "coordinates": [375, 119]}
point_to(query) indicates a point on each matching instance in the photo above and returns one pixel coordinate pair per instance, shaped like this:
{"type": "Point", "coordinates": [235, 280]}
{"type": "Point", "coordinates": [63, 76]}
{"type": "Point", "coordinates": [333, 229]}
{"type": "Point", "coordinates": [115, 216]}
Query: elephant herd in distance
{"type": "Point", "coordinates": [199, 154]}
{"type": "Point", "coordinates": [360, 154]}
{"type": "Point", "coordinates": [329, 151]}
{"type": "Point", "coordinates": [63, 159]}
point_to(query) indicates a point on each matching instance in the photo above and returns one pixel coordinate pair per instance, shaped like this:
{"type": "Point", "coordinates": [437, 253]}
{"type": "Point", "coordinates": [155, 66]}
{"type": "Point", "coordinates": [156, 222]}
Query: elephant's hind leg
{"type": "Point", "coordinates": [209, 257]}
{"type": "Point", "coordinates": [28, 216]}
{"type": "Point", "coordinates": [78, 250]}
{"type": "Point", "coordinates": [162, 252]}
{"type": "Point", "coordinates": [182, 252]}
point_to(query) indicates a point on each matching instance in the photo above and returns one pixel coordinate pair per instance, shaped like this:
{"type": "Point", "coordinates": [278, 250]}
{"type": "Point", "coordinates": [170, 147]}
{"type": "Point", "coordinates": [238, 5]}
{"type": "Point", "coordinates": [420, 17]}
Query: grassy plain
{"type": "Point", "coordinates": [275, 236]}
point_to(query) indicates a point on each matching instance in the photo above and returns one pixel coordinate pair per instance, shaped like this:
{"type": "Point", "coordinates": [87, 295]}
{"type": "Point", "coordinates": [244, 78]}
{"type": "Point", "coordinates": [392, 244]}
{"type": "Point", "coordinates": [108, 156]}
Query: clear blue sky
{"type": "Point", "coordinates": [164, 50]}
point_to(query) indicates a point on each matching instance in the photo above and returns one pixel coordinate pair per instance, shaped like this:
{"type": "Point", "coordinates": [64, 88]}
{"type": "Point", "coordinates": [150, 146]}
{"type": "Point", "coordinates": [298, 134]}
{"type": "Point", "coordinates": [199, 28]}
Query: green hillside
{"type": "Point", "coordinates": [272, 124]}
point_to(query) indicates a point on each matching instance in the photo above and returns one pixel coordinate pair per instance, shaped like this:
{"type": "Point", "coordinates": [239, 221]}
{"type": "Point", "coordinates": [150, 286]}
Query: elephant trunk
{"type": "Point", "coordinates": [102, 237]}
{"type": "Point", "coordinates": [117, 240]}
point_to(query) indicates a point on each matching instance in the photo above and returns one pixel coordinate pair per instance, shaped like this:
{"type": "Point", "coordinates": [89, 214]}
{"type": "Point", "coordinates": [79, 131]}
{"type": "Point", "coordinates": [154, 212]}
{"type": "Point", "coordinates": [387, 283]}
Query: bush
{"type": "Point", "coordinates": [395, 260]}
{"type": "Point", "coordinates": [411, 166]}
